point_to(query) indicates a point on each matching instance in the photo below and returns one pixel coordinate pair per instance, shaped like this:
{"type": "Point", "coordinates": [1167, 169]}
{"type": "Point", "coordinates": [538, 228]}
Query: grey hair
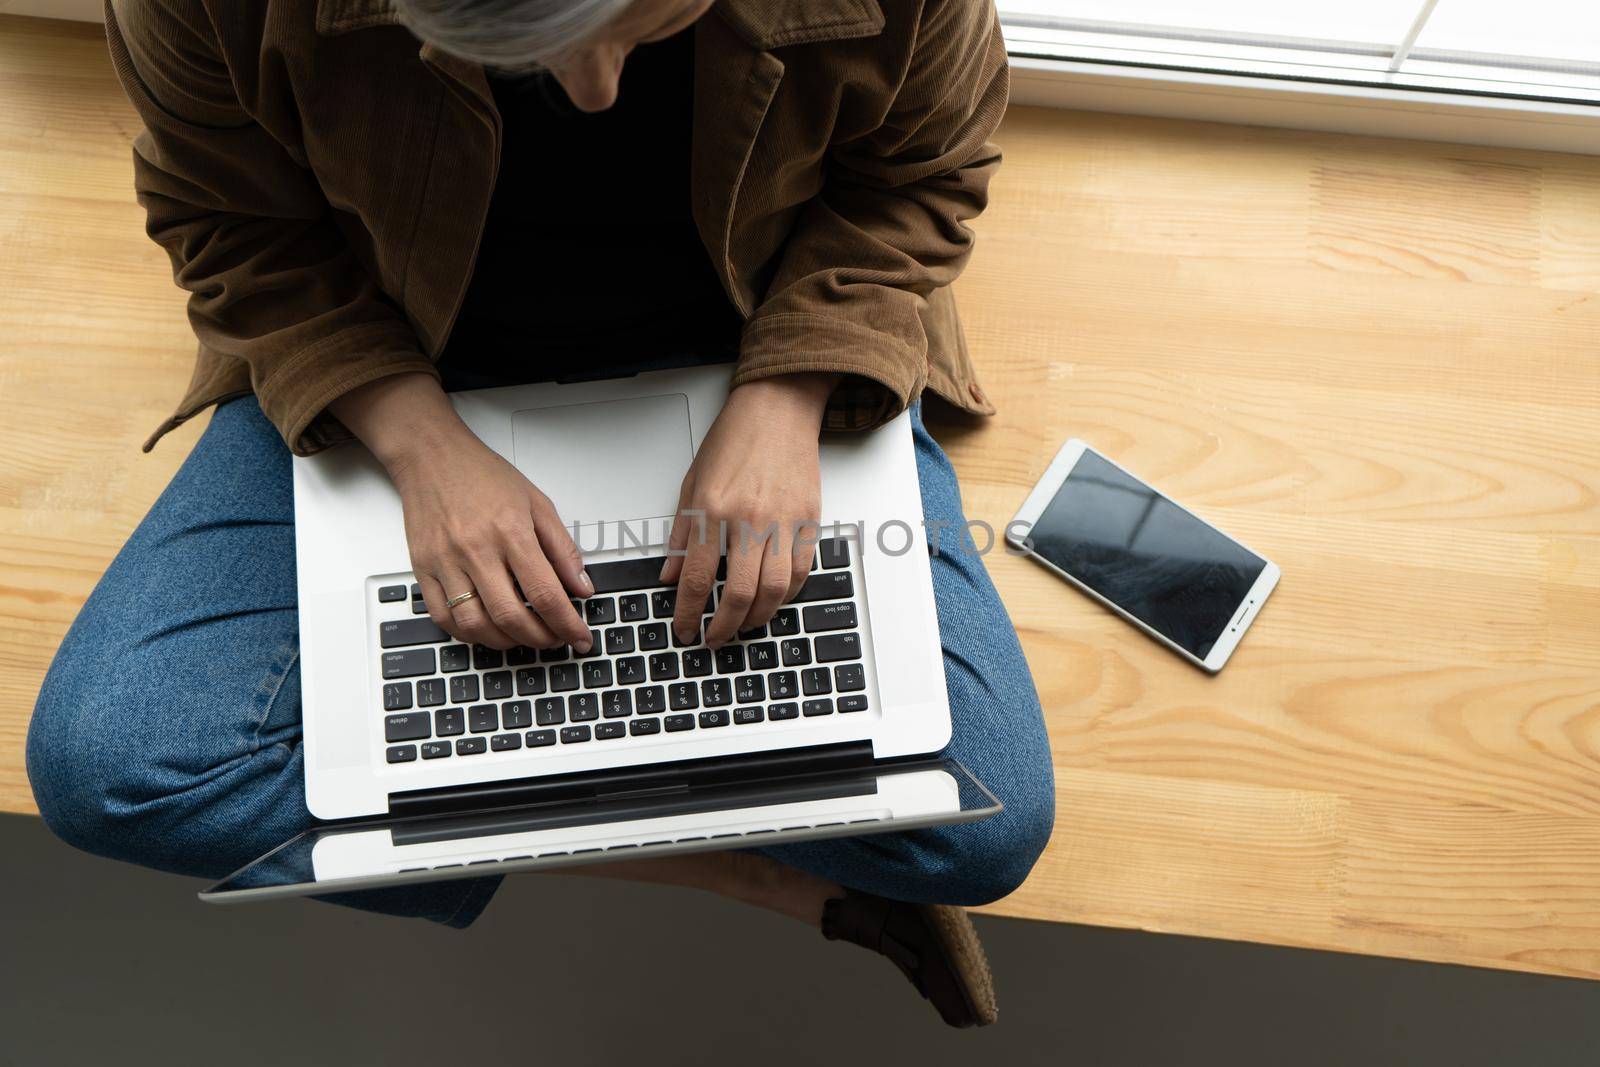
{"type": "Point", "coordinates": [508, 34]}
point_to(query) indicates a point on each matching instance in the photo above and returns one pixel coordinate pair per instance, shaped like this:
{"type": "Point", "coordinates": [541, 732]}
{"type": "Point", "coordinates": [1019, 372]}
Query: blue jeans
{"type": "Point", "coordinates": [167, 732]}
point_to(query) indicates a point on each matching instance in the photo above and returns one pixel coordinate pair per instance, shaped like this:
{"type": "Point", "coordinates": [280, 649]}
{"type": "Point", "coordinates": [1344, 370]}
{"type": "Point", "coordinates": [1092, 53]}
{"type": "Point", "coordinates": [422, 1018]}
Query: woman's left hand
{"type": "Point", "coordinates": [755, 478]}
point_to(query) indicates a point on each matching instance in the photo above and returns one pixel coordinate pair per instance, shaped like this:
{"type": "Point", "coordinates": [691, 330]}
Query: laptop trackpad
{"type": "Point", "coordinates": [615, 460]}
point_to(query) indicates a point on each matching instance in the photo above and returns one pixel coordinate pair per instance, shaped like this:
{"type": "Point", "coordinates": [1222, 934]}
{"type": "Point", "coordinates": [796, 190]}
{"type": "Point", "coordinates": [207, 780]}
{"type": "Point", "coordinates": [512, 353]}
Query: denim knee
{"type": "Point", "coordinates": [68, 765]}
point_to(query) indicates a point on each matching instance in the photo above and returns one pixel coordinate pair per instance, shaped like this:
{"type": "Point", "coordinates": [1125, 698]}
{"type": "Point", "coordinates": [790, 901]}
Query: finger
{"type": "Point", "coordinates": [694, 585]}
{"type": "Point", "coordinates": [548, 600]}
{"type": "Point", "coordinates": [739, 591]}
{"type": "Point", "coordinates": [563, 556]}
{"type": "Point", "coordinates": [801, 555]}
{"type": "Point", "coordinates": [678, 539]}
{"type": "Point", "coordinates": [434, 596]}
{"type": "Point", "coordinates": [468, 621]}
{"type": "Point", "coordinates": [498, 601]}
{"type": "Point", "coordinates": [772, 587]}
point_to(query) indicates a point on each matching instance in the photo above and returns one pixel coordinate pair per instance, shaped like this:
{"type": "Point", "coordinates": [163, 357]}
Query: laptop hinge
{"type": "Point", "coordinates": [655, 778]}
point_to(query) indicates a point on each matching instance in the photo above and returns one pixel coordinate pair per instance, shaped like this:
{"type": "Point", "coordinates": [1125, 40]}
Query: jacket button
{"type": "Point", "coordinates": [977, 393]}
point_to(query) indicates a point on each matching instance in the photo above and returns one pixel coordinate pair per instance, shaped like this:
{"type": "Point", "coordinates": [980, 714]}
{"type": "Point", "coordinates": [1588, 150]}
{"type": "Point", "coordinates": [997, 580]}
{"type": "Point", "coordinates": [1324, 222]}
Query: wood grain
{"type": "Point", "coordinates": [1376, 361]}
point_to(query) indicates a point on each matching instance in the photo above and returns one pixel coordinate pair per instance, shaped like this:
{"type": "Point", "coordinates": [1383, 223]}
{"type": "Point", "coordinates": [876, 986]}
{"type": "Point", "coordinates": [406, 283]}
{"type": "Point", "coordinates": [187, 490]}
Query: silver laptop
{"type": "Point", "coordinates": [429, 756]}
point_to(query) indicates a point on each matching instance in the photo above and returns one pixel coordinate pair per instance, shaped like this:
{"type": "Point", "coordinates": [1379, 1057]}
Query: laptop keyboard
{"type": "Point", "coordinates": [443, 699]}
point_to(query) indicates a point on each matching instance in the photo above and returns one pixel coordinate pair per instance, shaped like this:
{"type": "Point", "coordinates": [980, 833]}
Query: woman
{"type": "Point", "coordinates": [362, 225]}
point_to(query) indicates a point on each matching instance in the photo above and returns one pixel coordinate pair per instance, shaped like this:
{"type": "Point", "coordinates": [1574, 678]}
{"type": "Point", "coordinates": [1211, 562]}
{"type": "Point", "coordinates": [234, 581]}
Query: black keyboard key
{"type": "Point", "coordinates": [796, 652]}
{"type": "Point", "coordinates": [597, 675]}
{"type": "Point", "coordinates": [630, 670]}
{"type": "Point", "coordinates": [820, 617]}
{"type": "Point", "coordinates": [849, 678]}
{"type": "Point", "coordinates": [463, 689]}
{"type": "Point", "coordinates": [416, 590]}
{"type": "Point", "coordinates": [650, 700]}
{"type": "Point", "coordinates": [582, 707]}
{"type": "Point", "coordinates": [521, 656]}
{"type": "Point", "coordinates": [753, 634]}
{"type": "Point", "coordinates": [663, 666]}
{"type": "Point", "coordinates": [419, 607]}
{"type": "Point", "coordinates": [619, 640]}
{"type": "Point", "coordinates": [623, 575]}
{"type": "Point", "coordinates": [430, 693]}
{"type": "Point", "coordinates": [601, 611]}
{"type": "Point", "coordinates": [412, 727]}
{"type": "Point", "coordinates": [815, 681]}
{"type": "Point", "coordinates": [595, 647]}
{"type": "Point", "coordinates": [505, 742]}
{"type": "Point", "coordinates": [711, 719]}
{"type": "Point", "coordinates": [408, 664]}
{"type": "Point", "coordinates": [404, 632]}
{"type": "Point", "coordinates": [682, 696]}
{"type": "Point", "coordinates": [786, 623]}
{"type": "Point", "coordinates": [833, 552]}
{"type": "Point", "coordinates": [652, 636]}
{"type": "Point", "coordinates": [779, 712]}
{"type": "Point", "coordinates": [483, 718]}
{"type": "Point", "coordinates": [497, 685]}
{"type": "Point", "coordinates": [834, 647]}
{"type": "Point", "coordinates": [858, 702]}
{"type": "Point", "coordinates": [697, 662]}
{"type": "Point", "coordinates": [563, 677]}
{"type": "Point", "coordinates": [471, 746]}
{"type": "Point", "coordinates": [454, 658]}
{"type": "Point", "coordinates": [539, 738]}
{"type": "Point", "coordinates": [829, 585]}
{"type": "Point", "coordinates": [550, 711]}
{"type": "Point", "coordinates": [822, 706]}
{"type": "Point", "coordinates": [715, 692]}
{"type": "Point", "coordinates": [746, 716]}
{"type": "Point", "coordinates": [397, 696]}
{"type": "Point", "coordinates": [676, 723]}
{"type": "Point", "coordinates": [402, 754]}
{"type": "Point", "coordinates": [447, 722]}
{"type": "Point", "coordinates": [635, 607]}
{"type": "Point", "coordinates": [616, 704]}
{"type": "Point", "coordinates": [516, 715]}
{"type": "Point", "coordinates": [748, 688]}
{"type": "Point", "coordinates": [436, 750]}
{"type": "Point", "coordinates": [763, 656]}
{"type": "Point", "coordinates": [694, 639]}
{"type": "Point", "coordinates": [530, 681]}
{"type": "Point", "coordinates": [573, 735]}
{"type": "Point", "coordinates": [730, 659]}
{"type": "Point", "coordinates": [485, 658]}
{"type": "Point", "coordinates": [663, 603]}
{"type": "Point", "coordinates": [391, 594]}
{"type": "Point", "coordinates": [783, 685]}
{"type": "Point", "coordinates": [607, 730]}
{"type": "Point", "coordinates": [559, 654]}
{"type": "Point", "coordinates": [644, 726]}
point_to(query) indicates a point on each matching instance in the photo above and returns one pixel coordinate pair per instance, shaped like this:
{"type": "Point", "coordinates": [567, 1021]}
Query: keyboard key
{"type": "Point", "coordinates": [650, 700]}
{"type": "Point", "coordinates": [644, 726]}
{"type": "Point", "coordinates": [607, 730]}
{"type": "Point", "coordinates": [600, 611]}
{"type": "Point", "coordinates": [763, 656]}
{"type": "Point", "coordinates": [635, 607]}
{"type": "Point", "coordinates": [408, 664]}
{"type": "Point", "coordinates": [419, 607]}
{"type": "Point", "coordinates": [485, 658]}
{"type": "Point", "coordinates": [436, 750]}
{"type": "Point", "coordinates": [711, 719]}
{"type": "Point", "coordinates": [796, 652]}
{"type": "Point", "coordinates": [814, 681]}
{"type": "Point", "coordinates": [595, 647]}
{"type": "Point", "coordinates": [402, 754]}
{"type": "Point", "coordinates": [663, 666]}
{"type": "Point", "coordinates": [779, 712]}
{"type": "Point", "coordinates": [677, 723]}
{"type": "Point", "coordinates": [597, 675]}
{"type": "Point", "coordinates": [521, 656]}
{"type": "Point", "coordinates": [746, 716]}
{"type": "Point", "coordinates": [581, 707]}
{"type": "Point", "coordinates": [822, 706]}
{"type": "Point", "coordinates": [454, 658]}
{"type": "Point", "coordinates": [786, 623]}
{"type": "Point", "coordinates": [616, 704]}
{"type": "Point", "coordinates": [530, 681]}
{"type": "Point", "coordinates": [505, 742]}
{"type": "Point", "coordinates": [715, 692]}
{"type": "Point", "coordinates": [730, 659]}
{"type": "Point", "coordinates": [550, 711]}
{"type": "Point", "coordinates": [696, 662]}
{"type": "Point", "coordinates": [539, 738]}
{"type": "Point", "coordinates": [619, 640]}
{"type": "Point", "coordinates": [391, 594]}
{"type": "Point", "coordinates": [623, 575]}
{"type": "Point", "coordinates": [652, 636]}
{"type": "Point", "coordinates": [483, 718]}
{"type": "Point", "coordinates": [516, 715]}
{"type": "Point", "coordinates": [849, 678]}
{"type": "Point", "coordinates": [397, 696]}
{"type": "Point", "coordinates": [630, 671]}
{"type": "Point", "coordinates": [749, 687]}
{"type": "Point", "coordinates": [573, 735]}
{"type": "Point", "coordinates": [829, 585]}
{"type": "Point", "coordinates": [783, 685]}
{"type": "Point", "coordinates": [694, 639]}
{"type": "Point", "coordinates": [558, 654]}
{"type": "Point", "coordinates": [682, 696]}
{"type": "Point", "coordinates": [858, 702]}
{"type": "Point", "coordinates": [463, 689]}
{"type": "Point", "coordinates": [563, 677]}
{"type": "Point", "coordinates": [412, 727]}
{"type": "Point", "coordinates": [471, 746]}
{"type": "Point", "coordinates": [416, 590]}
{"type": "Point", "coordinates": [447, 722]}
{"type": "Point", "coordinates": [497, 685]}
{"type": "Point", "coordinates": [833, 552]}
{"type": "Point", "coordinates": [838, 646]}
{"type": "Point", "coordinates": [404, 632]}
{"type": "Point", "coordinates": [663, 603]}
{"type": "Point", "coordinates": [430, 693]}
{"type": "Point", "coordinates": [830, 617]}
{"type": "Point", "coordinates": [753, 634]}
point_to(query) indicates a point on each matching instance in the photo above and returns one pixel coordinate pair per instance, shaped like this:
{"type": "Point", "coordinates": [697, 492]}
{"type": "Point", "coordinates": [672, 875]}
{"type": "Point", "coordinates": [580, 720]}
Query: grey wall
{"type": "Point", "coordinates": [109, 964]}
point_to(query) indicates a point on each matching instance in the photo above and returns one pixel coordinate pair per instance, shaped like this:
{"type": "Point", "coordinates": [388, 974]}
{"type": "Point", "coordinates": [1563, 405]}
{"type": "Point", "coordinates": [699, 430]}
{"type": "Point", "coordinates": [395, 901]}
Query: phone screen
{"type": "Point", "coordinates": [1139, 550]}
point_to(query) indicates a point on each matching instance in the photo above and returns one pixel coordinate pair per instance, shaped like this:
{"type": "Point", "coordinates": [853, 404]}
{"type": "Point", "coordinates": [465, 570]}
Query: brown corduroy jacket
{"type": "Point", "coordinates": [321, 185]}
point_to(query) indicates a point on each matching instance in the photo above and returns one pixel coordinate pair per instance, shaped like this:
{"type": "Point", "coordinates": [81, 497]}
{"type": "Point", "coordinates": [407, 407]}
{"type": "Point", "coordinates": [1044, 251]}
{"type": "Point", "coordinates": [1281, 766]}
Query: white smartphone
{"type": "Point", "coordinates": [1155, 563]}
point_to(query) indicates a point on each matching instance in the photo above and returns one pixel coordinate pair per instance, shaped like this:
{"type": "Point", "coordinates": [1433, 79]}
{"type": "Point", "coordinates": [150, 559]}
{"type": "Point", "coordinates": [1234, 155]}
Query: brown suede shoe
{"type": "Point", "coordinates": [934, 946]}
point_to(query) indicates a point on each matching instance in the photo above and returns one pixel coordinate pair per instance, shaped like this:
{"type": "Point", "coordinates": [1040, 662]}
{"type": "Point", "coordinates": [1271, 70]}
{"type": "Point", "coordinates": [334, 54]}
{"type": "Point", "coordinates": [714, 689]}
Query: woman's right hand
{"type": "Point", "coordinates": [473, 522]}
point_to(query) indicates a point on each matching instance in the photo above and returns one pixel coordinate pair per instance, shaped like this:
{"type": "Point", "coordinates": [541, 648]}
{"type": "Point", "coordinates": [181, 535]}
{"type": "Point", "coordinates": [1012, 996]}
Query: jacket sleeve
{"type": "Point", "coordinates": [889, 226]}
{"type": "Point", "coordinates": [272, 282]}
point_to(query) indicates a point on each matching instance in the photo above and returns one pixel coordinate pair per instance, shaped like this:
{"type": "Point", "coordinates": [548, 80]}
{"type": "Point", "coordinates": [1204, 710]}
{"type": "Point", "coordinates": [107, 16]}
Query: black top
{"type": "Point", "coordinates": [590, 255]}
